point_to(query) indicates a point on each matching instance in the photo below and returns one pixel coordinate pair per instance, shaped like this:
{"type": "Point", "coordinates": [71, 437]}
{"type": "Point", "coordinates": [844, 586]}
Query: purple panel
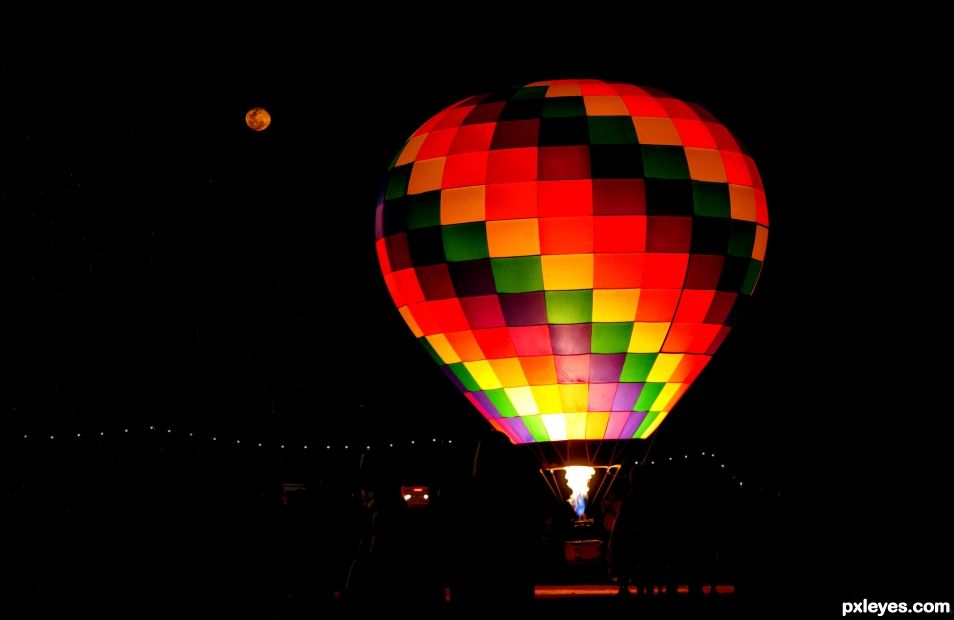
{"type": "Point", "coordinates": [486, 402]}
{"type": "Point", "coordinates": [626, 395]}
{"type": "Point", "coordinates": [606, 368]}
{"type": "Point", "coordinates": [615, 425]}
{"type": "Point", "coordinates": [379, 221]}
{"type": "Point", "coordinates": [518, 427]}
{"type": "Point", "coordinates": [450, 375]}
{"type": "Point", "coordinates": [524, 308]}
{"type": "Point", "coordinates": [635, 419]}
{"type": "Point", "coordinates": [601, 394]}
{"type": "Point", "coordinates": [571, 339]}
{"type": "Point", "coordinates": [572, 368]}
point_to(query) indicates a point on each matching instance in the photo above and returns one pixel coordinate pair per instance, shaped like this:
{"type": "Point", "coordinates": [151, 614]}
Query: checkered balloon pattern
{"type": "Point", "coordinates": [572, 252]}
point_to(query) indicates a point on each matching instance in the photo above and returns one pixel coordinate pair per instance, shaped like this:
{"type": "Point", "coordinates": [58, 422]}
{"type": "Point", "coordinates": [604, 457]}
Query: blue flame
{"type": "Point", "coordinates": [579, 505]}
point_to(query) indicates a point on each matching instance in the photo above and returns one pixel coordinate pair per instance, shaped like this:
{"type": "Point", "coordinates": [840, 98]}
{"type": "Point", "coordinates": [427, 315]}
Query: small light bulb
{"type": "Point", "coordinates": [407, 497]}
{"type": "Point", "coordinates": [426, 496]}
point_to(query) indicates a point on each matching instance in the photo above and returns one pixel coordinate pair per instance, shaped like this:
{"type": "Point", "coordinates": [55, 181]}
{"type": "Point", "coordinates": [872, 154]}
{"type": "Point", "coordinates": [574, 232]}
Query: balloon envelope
{"type": "Point", "coordinates": [572, 252]}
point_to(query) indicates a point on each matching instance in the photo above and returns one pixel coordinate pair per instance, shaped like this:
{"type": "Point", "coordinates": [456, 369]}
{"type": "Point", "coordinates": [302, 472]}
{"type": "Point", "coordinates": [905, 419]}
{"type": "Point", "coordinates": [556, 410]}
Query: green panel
{"type": "Point", "coordinates": [532, 92]}
{"type": "Point", "coordinates": [611, 337]}
{"type": "Point", "coordinates": [518, 274]}
{"type": "Point", "coordinates": [751, 277]}
{"type": "Point", "coordinates": [430, 351]}
{"type": "Point", "coordinates": [741, 239]}
{"type": "Point", "coordinates": [563, 107]}
{"type": "Point", "coordinates": [465, 377]}
{"type": "Point", "coordinates": [636, 367]}
{"type": "Point", "coordinates": [502, 402]}
{"type": "Point", "coordinates": [569, 306]}
{"type": "Point", "coordinates": [424, 210]}
{"type": "Point", "coordinates": [534, 424]}
{"type": "Point", "coordinates": [465, 241]}
{"type": "Point", "coordinates": [648, 396]}
{"type": "Point", "coordinates": [652, 415]}
{"type": "Point", "coordinates": [612, 130]}
{"type": "Point", "coordinates": [665, 162]}
{"type": "Point", "coordinates": [397, 182]}
{"type": "Point", "coordinates": [711, 199]}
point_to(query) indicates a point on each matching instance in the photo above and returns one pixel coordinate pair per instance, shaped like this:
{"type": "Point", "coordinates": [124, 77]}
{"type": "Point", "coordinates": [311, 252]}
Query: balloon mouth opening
{"type": "Point", "coordinates": [578, 480]}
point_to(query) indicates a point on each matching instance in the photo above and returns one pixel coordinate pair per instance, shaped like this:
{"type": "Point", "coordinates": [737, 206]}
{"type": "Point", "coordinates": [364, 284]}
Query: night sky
{"type": "Point", "coordinates": [163, 264]}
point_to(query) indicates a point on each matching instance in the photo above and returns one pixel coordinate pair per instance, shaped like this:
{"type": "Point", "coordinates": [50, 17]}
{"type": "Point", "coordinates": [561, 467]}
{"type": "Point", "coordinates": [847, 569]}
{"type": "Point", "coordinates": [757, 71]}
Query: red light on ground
{"type": "Point", "coordinates": [725, 589]}
{"type": "Point", "coordinates": [683, 589]}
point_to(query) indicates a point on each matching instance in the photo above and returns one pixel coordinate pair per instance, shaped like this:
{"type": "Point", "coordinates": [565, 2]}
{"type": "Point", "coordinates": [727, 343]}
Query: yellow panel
{"type": "Point", "coordinates": [665, 396]}
{"type": "Point", "coordinates": [615, 305]}
{"type": "Point", "coordinates": [547, 397]}
{"type": "Point", "coordinates": [761, 240]}
{"type": "Point", "coordinates": [555, 425]}
{"type": "Point", "coordinates": [655, 424]}
{"type": "Point", "coordinates": [409, 319]}
{"type": "Point", "coordinates": [410, 150]}
{"type": "Point", "coordinates": [742, 201]}
{"type": "Point", "coordinates": [575, 396]}
{"type": "Point", "coordinates": [575, 425]}
{"type": "Point", "coordinates": [596, 425]}
{"type": "Point", "coordinates": [705, 165]}
{"type": "Point", "coordinates": [663, 368]}
{"type": "Point", "coordinates": [463, 204]}
{"type": "Point", "coordinates": [509, 371]}
{"type": "Point", "coordinates": [605, 105]}
{"type": "Point", "coordinates": [647, 337]}
{"type": "Point", "coordinates": [443, 348]}
{"type": "Point", "coordinates": [522, 400]}
{"type": "Point", "coordinates": [426, 175]}
{"type": "Point", "coordinates": [483, 374]}
{"type": "Point", "coordinates": [651, 130]}
{"type": "Point", "coordinates": [567, 271]}
{"type": "Point", "coordinates": [513, 237]}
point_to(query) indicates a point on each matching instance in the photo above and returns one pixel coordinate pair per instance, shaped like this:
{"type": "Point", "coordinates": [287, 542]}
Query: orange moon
{"type": "Point", "coordinates": [258, 119]}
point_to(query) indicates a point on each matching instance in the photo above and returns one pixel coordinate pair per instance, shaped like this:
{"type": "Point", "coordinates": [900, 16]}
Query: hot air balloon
{"type": "Point", "coordinates": [572, 253]}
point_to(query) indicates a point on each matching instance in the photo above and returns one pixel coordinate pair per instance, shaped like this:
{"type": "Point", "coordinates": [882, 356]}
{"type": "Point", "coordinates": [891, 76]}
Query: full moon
{"type": "Point", "coordinates": [258, 119]}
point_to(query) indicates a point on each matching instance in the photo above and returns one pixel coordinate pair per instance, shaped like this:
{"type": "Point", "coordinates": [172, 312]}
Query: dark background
{"type": "Point", "coordinates": [163, 265]}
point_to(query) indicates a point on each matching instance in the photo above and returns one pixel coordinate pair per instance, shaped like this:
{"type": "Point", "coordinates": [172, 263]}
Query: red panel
{"type": "Point", "coordinates": [618, 270]}
{"type": "Point", "coordinates": [678, 109]}
{"type": "Point", "coordinates": [619, 197]}
{"type": "Point", "coordinates": [717, 341]}
{"type": "Point", "coordinates": [436, 144]}
{"type": "Point", "coordinates": [382, 252]}
{"type": "Point", "coordinates": [690, 337]}
{"type": "Point", "coordinates": [736, 170]}
{"type": "Point", "coordinates": [470, 138]}
{"type": "Point", "coordinates": [761, 208]}
{"type": "Point", "coordinates": [453, 117]}
{"type": "Point", "coordinates": [464, 170]}
{"type": "Point", "coordinates": [689, 368]}
{"type": "Point", "coordinates": [665, 270]}
{"type": "Point", "coordinates": [531, 340]}
{"type": "Point", "coordinates": [449, 314]}
{"type": "Point", "coordinates": [510, 200]}
{"type": "Point", "coordinates": [693, 306]}
{"type": "Point", "coordinates": [483, 311]}
{"type": "Point", "coordinates": [619, 233]}
{"type": "Point", "coordinates": [723, 138]}
{"type": "Point", "coordinates": [656, 305]}
{"type": "Point", "coordinates": [512, 165]}
{"type": "Point", "coordinates": [694, 133]}
{"type": "Point", "coordinates": [424, 318]}
{"type": "Point", "coordinates": [644, 106]}
{"type": "Point", "coordinates": [564, 162]}
{"type": "Point", "coordinates": [564, 198]}
{"type": "Point", "coordinates": [566, 235]}
{"type": "Point", "coordinates": [495, 343]}
{"type": "Point", "coordinates": [406, 280]}
{"type": "Point", "coordinates": [435, 281]}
